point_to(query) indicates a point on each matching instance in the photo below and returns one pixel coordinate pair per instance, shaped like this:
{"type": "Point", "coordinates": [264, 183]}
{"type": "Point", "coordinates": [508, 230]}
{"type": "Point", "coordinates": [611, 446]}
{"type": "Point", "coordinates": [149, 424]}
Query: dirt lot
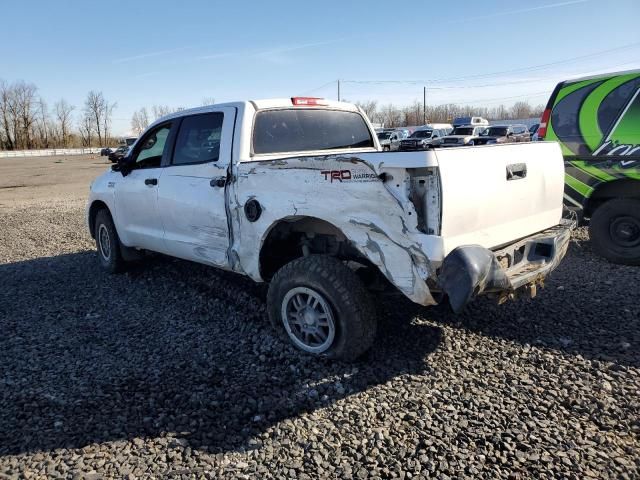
{"type": "Point", "coordinates": [172, 369]}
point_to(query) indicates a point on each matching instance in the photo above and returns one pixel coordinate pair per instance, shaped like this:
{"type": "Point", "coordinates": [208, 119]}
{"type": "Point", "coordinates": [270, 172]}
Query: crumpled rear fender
{"type": "Point", "coordinates": [357, 203]}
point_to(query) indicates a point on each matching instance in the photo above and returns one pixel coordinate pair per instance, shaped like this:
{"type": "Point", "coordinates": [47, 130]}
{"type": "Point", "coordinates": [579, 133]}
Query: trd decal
{"type": "Point", "coordinates": [337, 175]}
{"type": "Point", "coordinates": [349, 176]}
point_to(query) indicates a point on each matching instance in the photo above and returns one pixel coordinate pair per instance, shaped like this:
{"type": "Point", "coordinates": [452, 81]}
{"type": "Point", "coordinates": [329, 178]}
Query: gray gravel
{"type": "Point", "coordinates": [172, 369]}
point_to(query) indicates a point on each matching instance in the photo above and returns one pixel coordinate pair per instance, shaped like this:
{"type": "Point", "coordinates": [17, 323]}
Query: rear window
{"type": "Point", "coordinates": [299, 130]}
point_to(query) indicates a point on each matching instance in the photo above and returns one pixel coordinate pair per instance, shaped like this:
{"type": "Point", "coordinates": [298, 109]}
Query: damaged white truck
{"type": "Point", "coordinates": [297, 193]}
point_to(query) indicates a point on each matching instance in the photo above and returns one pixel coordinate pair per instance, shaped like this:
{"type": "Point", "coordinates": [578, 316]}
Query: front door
{"type": "Point", "coordinates": [136, 194]}
{"type": "Point", "coordinates": [191, 195]}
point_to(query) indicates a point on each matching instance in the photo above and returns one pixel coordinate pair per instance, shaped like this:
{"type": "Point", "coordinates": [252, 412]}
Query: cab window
{"type": "Point", "coordinates": [151, 148]}
{"type": "Point", "coordinates": [198, 140]}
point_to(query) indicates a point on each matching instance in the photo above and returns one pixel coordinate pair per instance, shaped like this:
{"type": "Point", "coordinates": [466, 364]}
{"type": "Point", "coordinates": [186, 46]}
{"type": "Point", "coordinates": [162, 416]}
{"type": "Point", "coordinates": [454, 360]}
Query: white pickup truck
{"type": "Point", "coordinates": [296, 192]}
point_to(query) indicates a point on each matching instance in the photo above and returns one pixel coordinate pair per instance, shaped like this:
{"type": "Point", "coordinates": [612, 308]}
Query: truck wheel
{"type": "Point", "coordinates": [322, 307]}
{"type": "Point", "coordinates": [108, 243]}
{"type": "Point", "coordinates": [615, 231]}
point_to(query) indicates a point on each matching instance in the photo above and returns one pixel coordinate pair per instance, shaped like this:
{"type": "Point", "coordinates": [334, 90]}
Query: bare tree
{"type": "Point", "coordinates": [208, 101]}
{"type": "Point", "coordinates": [521, 110]}
{"type": "Point", "coordinates": [86, 125]}
{"type": "Point", "coordinates": [6, 138]}
{"type": "Point", "coordinates": [25, 108]}
{"type": "Point", "coordinates": [391, 116]}
{"type": "Point", "coordinates": [161, 110]}
{"type": "Point", "coordinates": [106, 119]}
{"type": "Point", "coordinates": [95, 107]}
{"type": "Point", "coordinates": [42, 124]}
{"type": "Point", "coordinates": [369, 107]}
{"type": "Point", "coordinates": [63, 116]}
{"type": "Point", "coordinates": [140, 121]}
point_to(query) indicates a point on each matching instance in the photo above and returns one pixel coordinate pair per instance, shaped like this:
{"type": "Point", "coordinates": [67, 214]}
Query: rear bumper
{"type": "Point", "coordinates": [473, 270]}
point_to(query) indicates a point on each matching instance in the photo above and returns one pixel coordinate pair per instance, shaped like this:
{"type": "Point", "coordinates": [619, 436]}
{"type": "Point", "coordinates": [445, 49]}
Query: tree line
{"type": "Point", "coordinates": [143, 117]}
{"type": "Point", "coordinates": [397, 116]}
{"type": "Point", "coordinates": [27, 121]}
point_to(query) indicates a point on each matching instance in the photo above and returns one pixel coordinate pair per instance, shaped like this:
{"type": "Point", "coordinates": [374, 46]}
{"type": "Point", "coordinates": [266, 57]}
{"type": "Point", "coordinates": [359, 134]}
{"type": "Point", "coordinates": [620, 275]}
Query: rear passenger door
{"type": "Point", "coordinates": [191, 195]}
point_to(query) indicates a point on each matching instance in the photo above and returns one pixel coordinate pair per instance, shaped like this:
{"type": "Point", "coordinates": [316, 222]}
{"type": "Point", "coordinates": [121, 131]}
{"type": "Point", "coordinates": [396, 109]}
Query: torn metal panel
{"type": "Point", "coordinates": [346, 192]}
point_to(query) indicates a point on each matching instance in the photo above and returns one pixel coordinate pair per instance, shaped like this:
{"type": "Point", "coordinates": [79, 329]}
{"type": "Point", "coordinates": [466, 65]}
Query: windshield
{"type": "Point", "coordinates": [495, 132]}
{"type": "Point", "coordinates": [300, 130]}
{"type": "Point", "coordinates": [384, 135]}
{"type": "Point", "coordinates": [422, 134]}
{"type": "Point", "coordinates": [462, 131]}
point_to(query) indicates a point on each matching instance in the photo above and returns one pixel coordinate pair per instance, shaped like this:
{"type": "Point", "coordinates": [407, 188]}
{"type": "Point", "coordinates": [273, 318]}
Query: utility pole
{"type": "Point", "coordinates": [338, 89]}
{"type": "Point", "coordinates": [424, 105]}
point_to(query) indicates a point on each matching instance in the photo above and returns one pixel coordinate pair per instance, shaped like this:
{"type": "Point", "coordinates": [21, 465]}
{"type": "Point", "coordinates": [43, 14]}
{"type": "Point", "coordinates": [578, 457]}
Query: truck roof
{"type": "Point", "coordinates": [263, 104]}
{"type": "Point", "coordinates": [600, 75]}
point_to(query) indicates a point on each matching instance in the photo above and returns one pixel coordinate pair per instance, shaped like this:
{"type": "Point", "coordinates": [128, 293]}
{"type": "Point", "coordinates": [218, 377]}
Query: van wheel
{"type": "Point", "coordinates": [108, 243]}
{"type": "Point", "coordinates": [321, 306]}
{"type": "Point", "coordinates": [615, 231]}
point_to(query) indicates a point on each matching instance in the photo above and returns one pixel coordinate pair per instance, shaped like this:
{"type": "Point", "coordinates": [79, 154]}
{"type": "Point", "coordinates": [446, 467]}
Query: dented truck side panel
{"type": "Point", "coordinates": [344, 191]}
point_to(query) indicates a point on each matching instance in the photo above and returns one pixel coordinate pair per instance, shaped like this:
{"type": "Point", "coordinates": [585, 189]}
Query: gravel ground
{"type": "Point", "coordinates": [173, 370]}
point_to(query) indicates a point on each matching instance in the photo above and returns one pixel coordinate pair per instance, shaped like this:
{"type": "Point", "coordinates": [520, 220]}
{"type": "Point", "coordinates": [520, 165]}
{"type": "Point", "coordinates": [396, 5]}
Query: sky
{"type": "Point", "coordinates": [140, 53]}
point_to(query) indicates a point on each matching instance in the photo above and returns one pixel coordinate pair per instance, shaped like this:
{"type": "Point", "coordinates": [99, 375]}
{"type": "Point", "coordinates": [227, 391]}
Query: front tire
{"type": "Point", "coordinates": [615, 231]}
{"type": "Point", "coordinates": [321, 306]}
{"type": "Point", "coordinates": [108, 243]}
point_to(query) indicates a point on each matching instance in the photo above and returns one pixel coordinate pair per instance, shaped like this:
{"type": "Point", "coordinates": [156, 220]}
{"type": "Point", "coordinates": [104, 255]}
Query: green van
{"type": "Point", "coordinates": [596, 120]}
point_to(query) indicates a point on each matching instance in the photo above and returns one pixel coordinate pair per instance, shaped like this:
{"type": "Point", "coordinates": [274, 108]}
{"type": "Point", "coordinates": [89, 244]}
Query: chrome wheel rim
{"type": "Point", "coordinates": [308, 320]}
{"type": "Point", "coordinates": [103, 242]}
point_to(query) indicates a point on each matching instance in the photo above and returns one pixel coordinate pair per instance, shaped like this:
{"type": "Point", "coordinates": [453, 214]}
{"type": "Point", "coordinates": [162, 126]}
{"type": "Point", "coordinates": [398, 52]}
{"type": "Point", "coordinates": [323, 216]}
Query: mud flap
{"type": "Point", "coordinates": [468, 271]}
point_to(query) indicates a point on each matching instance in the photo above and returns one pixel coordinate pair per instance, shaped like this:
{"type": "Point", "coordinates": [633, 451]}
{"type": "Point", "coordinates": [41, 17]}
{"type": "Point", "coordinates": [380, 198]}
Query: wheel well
{"type": "Point", "coordinates": [623, 188]}
{"type": "Point", "coordinates": [93, 212]}
{"type": "Point", "coordinates": [297, 237]}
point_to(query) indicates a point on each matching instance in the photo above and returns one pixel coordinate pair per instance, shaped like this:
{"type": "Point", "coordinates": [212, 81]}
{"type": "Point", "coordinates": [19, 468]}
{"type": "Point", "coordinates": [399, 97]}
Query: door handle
{"type": "Point", "coordinates": [151, 181]}
{"type": "Point", "coordinates": [218, 182]}
{"type": "Point", "coordinates": [516, 171]}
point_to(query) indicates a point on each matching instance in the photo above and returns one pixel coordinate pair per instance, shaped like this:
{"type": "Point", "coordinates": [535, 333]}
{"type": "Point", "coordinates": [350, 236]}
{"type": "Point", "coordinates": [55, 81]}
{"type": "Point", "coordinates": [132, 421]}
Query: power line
{"type": "Point", "coordinates": [332, 82]}
{"type": "Point", "coordinates": [485, 75]}
{"type": "Point", "coordinates": [543, 65]}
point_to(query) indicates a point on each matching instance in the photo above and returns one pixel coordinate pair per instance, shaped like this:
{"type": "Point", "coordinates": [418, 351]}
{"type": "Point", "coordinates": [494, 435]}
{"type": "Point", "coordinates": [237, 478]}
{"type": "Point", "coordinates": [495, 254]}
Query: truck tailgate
{"type": "Point", "coordinates": [493, 195]}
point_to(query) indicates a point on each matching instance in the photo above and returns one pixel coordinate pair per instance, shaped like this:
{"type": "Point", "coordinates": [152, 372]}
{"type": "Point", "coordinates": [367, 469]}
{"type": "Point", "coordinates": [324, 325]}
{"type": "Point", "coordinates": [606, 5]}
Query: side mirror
{"type": "Point", "coordinates": [123, 165]}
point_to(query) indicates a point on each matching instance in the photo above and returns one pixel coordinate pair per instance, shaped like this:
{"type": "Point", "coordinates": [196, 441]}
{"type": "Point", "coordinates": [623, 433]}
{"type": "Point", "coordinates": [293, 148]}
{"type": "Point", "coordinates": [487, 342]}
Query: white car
{"type": "Point", "coordinates": [462, 136]}
{"type": "Point", "coordinates": [296, 192]}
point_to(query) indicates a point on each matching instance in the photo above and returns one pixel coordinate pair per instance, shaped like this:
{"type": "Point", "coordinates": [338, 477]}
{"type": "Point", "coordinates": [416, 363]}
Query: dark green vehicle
{"type": "Point", "coordinates": [596, 120]}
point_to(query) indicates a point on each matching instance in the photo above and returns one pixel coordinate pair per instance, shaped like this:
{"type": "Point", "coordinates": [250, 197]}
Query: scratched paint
{"type": "Point", "coordinates": [344, 191]}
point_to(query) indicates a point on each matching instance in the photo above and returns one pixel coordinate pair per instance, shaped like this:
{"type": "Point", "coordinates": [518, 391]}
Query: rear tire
{"type": "Point", "coordinates": [108, 243]}
{"type": "Point", "coordinates": [615, 231]}
{"type": "Point", "coordinates": [321, 306]}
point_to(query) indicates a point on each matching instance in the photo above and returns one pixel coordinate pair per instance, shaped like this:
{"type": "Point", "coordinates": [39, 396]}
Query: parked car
{"type": "Point", "coordinates": [461, 136]}
{"type": "Point", "coordinates": [104, 152]}
{"type": "Point", "coordinates": [298, 195]}
{"type": "Point", "coordinates": [446, 128]}
{"type": "Point", "coordinates": [532, 131]}
{"type": "Point", "coordinates": [118, 154]}
{"type": "Point", "coordinates": [422, 139]}
{"type": "Point", "coordinates": [502, 134]}
{"type": "Point", "coordinates": [473, 121]}
{"type": "Point", "coordinates": [597, 122]}
{"type": "Point", "coordinates": [389, 140]}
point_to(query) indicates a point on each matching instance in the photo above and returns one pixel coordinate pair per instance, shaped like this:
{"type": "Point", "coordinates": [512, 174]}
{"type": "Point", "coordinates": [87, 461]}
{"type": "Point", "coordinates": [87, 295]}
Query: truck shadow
{"type": "Point", "coordinates": [181, 349]}
{"type": "Point", "coordinates": [589, 307]}
{"type": "Point", "coordinates": [170, 348]}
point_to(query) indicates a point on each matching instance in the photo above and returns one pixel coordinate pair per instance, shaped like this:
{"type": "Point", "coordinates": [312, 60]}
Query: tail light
{"type": "Point", "coordinates": [544, 121]}
{"type": "Point", "coordinates": [307, 101]}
